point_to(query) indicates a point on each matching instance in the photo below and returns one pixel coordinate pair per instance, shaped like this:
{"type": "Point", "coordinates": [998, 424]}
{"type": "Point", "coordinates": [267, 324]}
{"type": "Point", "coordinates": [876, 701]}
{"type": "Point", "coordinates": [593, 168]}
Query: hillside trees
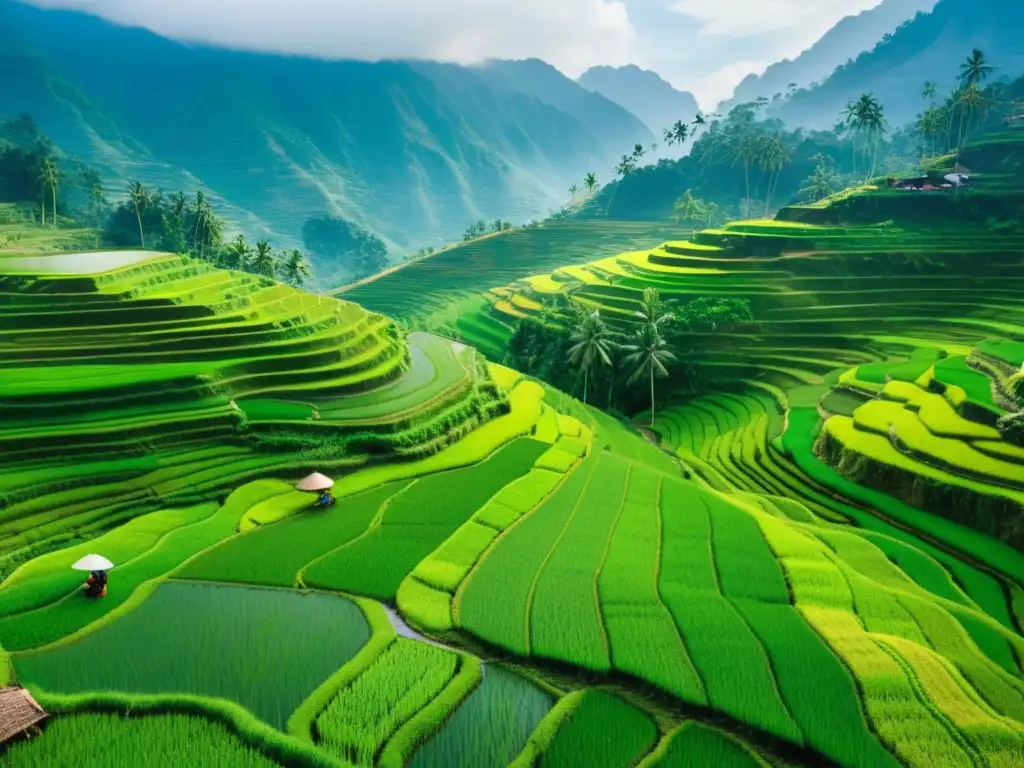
{"type": "Point", "coordinates": [341, 245]}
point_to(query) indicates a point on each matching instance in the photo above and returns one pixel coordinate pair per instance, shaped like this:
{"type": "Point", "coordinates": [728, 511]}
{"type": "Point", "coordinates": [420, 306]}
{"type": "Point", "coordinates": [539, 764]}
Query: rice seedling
{"type": "Point", "coordinates": [490, 727]}
{"type": "Point", "coordinates": [745, 565]}
{"type": "Point", "coordinates": [97, 740]}
{"type": "Point", "coordinates": [361, 718]}
{"type": "Point", "coordinates": [274, 555]}
{"type": "Point", "coordinates": [416, 522]}
{"type": "Point", "coordinates": [213, 640]}
{"type": "Point", "coordinates": [603, 731]}
{"type": "Point", "coordinates": [695, 745]}
{"type": "Point", "coordinates": [493, 602]}
{"type": "Point", "coordinates": [49, 577]}
{"type": "Point", "coordinates": [644, 641]}
{"type": "Point", "coordinates": [816, 687]}
{"type": "Point", "coordinates": [58, 620]}
{"type": "Point", "coordinates": [565, 621]}
{"type": "Point", "coordinates": [1002, 689]}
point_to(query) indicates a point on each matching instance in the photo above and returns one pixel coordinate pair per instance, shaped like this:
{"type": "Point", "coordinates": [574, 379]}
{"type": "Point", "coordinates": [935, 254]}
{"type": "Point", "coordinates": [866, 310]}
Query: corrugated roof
{"type": "Point", "coordinates": [18, 711]}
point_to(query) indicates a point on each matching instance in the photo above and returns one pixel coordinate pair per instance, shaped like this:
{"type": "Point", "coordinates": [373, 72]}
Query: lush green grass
{"type": "Point", "coordinates": [490, 727]}
{"type": "Point", "coordinates": [361, 718]}
{"type": "Point", "coordinates": [603, 731]}
{"type": "Point", "coordinates": [267, 649]}
{"type": "Point", "coordinates": [417, 521]}
{"type": "Point", "coordinates": [98, 740]}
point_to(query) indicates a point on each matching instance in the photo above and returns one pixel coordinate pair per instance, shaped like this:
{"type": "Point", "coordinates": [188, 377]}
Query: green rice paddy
{"type": "Point", "coordinates": [815, 561]}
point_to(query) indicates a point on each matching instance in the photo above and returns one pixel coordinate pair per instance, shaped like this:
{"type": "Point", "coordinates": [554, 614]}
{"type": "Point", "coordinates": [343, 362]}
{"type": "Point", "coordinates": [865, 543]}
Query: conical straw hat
{"type": "Point", "coordinates": [93, 563]}
{"type": "Point", "coordinates": [315, 482]}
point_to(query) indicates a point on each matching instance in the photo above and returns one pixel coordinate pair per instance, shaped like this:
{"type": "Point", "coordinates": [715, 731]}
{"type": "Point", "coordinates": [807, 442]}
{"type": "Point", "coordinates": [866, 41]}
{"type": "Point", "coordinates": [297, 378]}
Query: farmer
{"type": "Point", "coordinates": [326, 499]}
{"type": "Point", "coordinates": [96, 585]}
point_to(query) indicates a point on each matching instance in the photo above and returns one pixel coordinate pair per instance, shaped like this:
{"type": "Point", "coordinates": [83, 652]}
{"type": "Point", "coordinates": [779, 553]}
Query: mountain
{"type": "Point", "coordinates": [642, 92]}
{"type": "Point", "coordinates": [851, 36]}
{"type": "Point", "coordinates": [931, 46]}
{"type": "Point", "coordinates": [413, 152]}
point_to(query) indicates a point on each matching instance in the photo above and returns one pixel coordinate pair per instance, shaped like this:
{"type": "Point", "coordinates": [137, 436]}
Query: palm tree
{"type": "Point", "coordinates": [590, 182]}
{"type": "Point", "coordinates": [971, 98]}
{"type": "Point", "coordinates": [139, 197]}
{"type": "Point", "coordinates": [295, 269]}
{"type": "Point", "coordinates": [236, 255]}
{"type": "Point", "coordinates": [573, 190]}
{"type": "Point", "coordinates": [849, 119]}
{"type": "Point", "coordinates": [638, 151]}
{"type": "Point", "coordinates": [592, 345]}
{"type": "Point", "coordinates": [263, 259]}
{"type": "Point", "coordinates": [652, 309]}
{"type": "Point", "coordinates": [699, 119]}
{"type": "Point", "coordinates": [626, 165]}
{"type": "Point", "coordinates": [688, 208]}
{"type": "Point", "coordinates": [867, 115]}
{"type": "Point", "coordinates": [820, 184]}
{"type": "Point", "coordinates": [647, 354]}
{"type": "Point", "coordinates": [51, 176]}
{"type": "Point", "coordinates": [677, 133]}
{"type": "Point", "coordinates": [200, 207]}
{"type": "Point", "coordinates": [975, 70]}
{"type": "Point", "coordinates": [929, 124]}
{"type": "Point", "coordinates": [48, 176]}
{"type": "Point", "coordinates": [929, 91]}
{"type": "Point", "coordinates": [745, 149]}
{"type": "Point", "coordinates": [773, 158]}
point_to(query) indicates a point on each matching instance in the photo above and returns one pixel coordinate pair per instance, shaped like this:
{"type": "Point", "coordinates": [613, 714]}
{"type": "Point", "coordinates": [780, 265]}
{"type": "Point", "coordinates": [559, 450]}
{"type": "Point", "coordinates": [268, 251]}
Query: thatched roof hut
{"type": "Point", "coordinates": [18, 712]}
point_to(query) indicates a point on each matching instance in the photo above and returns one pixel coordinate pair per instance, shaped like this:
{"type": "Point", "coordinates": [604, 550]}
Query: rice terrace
{"type": "Point", "coordinates": [720, 462]}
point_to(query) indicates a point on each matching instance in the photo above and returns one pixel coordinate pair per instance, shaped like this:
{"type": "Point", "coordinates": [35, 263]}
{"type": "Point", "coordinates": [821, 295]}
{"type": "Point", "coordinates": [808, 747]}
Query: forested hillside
{"type": "Point", "coordinates": [413, 157]}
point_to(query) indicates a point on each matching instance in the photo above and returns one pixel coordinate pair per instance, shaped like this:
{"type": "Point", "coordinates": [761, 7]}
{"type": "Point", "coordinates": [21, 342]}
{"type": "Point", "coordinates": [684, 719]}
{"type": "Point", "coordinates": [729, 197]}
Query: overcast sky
{"type": "Point", "coordinates": [704, 46]}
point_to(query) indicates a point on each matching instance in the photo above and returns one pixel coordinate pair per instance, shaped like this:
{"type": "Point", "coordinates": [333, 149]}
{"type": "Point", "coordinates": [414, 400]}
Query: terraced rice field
{"type": "Point", "coordinates": [813, 563]}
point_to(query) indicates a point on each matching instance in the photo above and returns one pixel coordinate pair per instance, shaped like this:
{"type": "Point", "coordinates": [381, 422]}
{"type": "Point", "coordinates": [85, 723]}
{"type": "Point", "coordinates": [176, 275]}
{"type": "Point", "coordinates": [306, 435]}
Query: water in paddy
{"type": "Point", "coordinates": [75, 263]}
{"type": "Point", "coordinates": [266, 649]}
{"type": "Point", "coordinates": [490, 727]}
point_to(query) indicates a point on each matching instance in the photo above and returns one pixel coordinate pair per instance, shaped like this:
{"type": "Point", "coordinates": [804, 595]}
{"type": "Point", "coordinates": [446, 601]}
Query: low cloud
{"type": "Point", "coordinates": [804, 20]}
{"type": "Point", "coordinates": [571, 34]}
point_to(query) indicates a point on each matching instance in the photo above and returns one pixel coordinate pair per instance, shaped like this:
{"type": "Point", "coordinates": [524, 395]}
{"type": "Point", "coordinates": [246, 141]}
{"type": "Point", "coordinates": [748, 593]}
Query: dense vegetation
{"type": "Point", "coordinates": [782, 524]}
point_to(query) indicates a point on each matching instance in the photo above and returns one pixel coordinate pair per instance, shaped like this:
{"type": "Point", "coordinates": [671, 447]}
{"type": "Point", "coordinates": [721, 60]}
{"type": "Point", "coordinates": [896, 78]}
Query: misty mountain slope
{"type": "Point", "coordinates": [278, 139]}
{"type": "Point", "coordinates": [851, 36]}
{"type": "Point", "coordinates": [643, 93]}
{"type": "Point", "coordinates": [931, 47]}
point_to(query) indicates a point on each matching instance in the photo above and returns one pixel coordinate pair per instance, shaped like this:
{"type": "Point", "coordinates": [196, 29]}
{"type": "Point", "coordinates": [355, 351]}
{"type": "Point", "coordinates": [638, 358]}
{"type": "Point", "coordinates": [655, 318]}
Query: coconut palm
{"type": "Point", "coordinates": [573, 190]}
{"type": "Point", "coordinates": [745, 149]}
{"type": "Point", "coordinates": [820, 184]}
{"type": "Point", "coordinates": [647, 353]}
{"type": "Point", "coordinates": [866, 115]}
{"type": "Point", "coordinates": [592, 344]}
{"type": "Point", "coordinates": [688, 208]}
{"type": "Point", "coordinates": [929, 91]}
{"type": "Point", "coordinates": [773, 158]}
{"type": "Point", "coordinates": [848, 117]}
{"type": "Point", "coordinates": [199, 209]}
{"type": "Point", "coordinates": [975, 70]}
{"type": "Point", "coordinates": [295, 269]}
{"type": "Point", "coordinates": [48, 177]}
{"type": "Point", "coordinates": [638, 151]}
{"type": "Point", "coordinates": [971, 99]}
{"type": "Point", "coordinates": [677, 133]}
{"type": "Point", "coordinates": [929, 125]}
{"type": "Point", "coordinates": [590, 182]}
{"type": "Point", "coordinates": [626, 166]}
{"type": "Point", "coordinates": [139, 197]}
{"type": "Point", "coordinates": [652, 309]}
{"type": "Point", "coordinates": [263, 259]}
{"type": "Point", "coordinates": [236, 255]}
